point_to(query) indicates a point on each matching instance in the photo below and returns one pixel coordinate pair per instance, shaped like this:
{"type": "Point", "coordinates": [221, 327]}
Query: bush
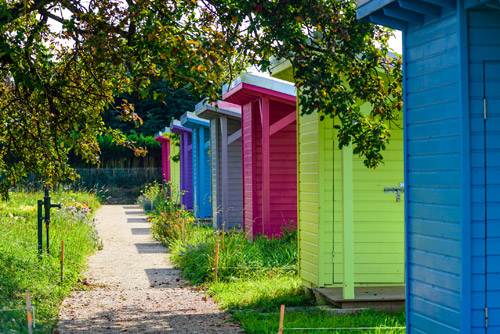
{"type": "Point", "coordinates": [167, 218]}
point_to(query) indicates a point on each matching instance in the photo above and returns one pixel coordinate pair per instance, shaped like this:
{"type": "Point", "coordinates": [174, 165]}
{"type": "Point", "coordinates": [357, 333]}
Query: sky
{"type": "Point", "coordinates": [396, 43]}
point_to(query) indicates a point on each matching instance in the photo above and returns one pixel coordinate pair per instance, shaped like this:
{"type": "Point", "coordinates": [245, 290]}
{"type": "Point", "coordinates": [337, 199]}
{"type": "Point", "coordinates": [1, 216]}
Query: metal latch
{"type": "Point", "coordinates": [398, 190]}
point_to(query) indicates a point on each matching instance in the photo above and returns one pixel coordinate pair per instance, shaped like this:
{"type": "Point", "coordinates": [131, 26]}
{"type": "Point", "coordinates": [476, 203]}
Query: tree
{"type": "Point", "coordinates": [155, 113]}
{"type": "Point", "coordinates": [56, 83]}
{"type": "Point", "coordinates": [338, 61]}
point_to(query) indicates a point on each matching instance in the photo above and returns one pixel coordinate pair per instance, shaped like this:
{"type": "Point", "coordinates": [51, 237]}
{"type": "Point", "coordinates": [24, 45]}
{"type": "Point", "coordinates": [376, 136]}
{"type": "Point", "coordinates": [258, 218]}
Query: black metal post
{"type": "Point", "coordinates": [46, 205]}
{"type": "Point", "coordinates": [40, 228]}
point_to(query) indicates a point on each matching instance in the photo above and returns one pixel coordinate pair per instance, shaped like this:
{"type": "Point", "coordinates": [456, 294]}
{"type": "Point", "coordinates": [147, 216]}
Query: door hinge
{"type": "Point", "coordinates": [484, 109]}
{"type": "Point", "coordinates": [486, 317]}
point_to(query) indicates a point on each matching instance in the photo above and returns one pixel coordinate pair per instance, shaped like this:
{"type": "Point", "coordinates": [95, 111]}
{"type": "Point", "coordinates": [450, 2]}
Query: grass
{"type": "Point", "coordinates": [252, 283]}
{"type": "Point", "coordinates": [269, 323]}
{"type": "Point", "coordinates": [20, 267]}
{"type": "Point", "coordinates": [264, 293]}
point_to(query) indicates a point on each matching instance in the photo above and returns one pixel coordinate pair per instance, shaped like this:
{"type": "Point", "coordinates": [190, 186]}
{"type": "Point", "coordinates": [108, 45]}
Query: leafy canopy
{"type": "Point", "coordinates": [337, 62]}
{"type": "Point", "coordinates": [56, 82]}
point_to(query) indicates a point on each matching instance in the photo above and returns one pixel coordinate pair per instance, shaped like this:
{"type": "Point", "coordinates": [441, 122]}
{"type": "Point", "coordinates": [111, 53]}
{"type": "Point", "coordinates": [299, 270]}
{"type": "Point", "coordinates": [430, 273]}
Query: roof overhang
{"type": "Point", "coordinates": [190, 120]}
{"type": "Point", "coordinates": [220, 108]}
{"type": "Point", "coordinates": [249, 87]}
{"type": "Point", "coordinates": [399, 14]}
{"type": "Point", "coordinates": [176, 127]}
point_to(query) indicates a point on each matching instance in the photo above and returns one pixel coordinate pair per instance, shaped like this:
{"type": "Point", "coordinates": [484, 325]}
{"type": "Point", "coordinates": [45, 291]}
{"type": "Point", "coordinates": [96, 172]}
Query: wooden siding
{"type": "Point", "coordinates": [233, 211]}
{"type": "Point", "coordinates": [235, 189]}
{"type": "Point", "coordinates": [484, 78]}
{"type": "Point", "coordinates": [308, 201]}
{"type": "Point", "coordinates": [247, 120]}
{"type": "Point", "coordinates": [283, 165]}
{"type": "Point", "coordinates": [433, 217]}
{"type": "Point", "coordinates": [216, 181]}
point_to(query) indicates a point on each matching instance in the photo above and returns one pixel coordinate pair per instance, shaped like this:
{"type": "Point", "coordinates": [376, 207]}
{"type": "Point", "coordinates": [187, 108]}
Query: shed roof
{"type": "Point", "coordinates": [176, 127]}
{"type": "Point", "coordinates": [220, 108]}
{"type": "Point", "coordinates": [251, 86]}
{"type": "Point", "coordinates": [159, 136]}
{"type": "Point", "coordinates": [190, 120]}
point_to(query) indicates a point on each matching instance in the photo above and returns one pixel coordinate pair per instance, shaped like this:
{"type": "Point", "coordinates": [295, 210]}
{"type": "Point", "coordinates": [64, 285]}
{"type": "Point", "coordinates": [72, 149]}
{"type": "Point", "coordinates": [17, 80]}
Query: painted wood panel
{"type": "Point", "coordinates": [433, 175]}
{"type": "Point", "coordinates": [185, 163]}
{"type": "Point", "coordinates": [377, 252]}
{"type": "Point", "coordinates": [484, 78]}
{"type": "Point", "coordinates": [201, 174]}
{"type": "Point", "coordinates": [268, 153]}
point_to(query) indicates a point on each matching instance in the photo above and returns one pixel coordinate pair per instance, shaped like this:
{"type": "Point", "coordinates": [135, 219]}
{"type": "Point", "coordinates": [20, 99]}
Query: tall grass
{"type": "Point", "coordinates": [238, 257]}
{"type": "Point", "coordinates": [20, 267]}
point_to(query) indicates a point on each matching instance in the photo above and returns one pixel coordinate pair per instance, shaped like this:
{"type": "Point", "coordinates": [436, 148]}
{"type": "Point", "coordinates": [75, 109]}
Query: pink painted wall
{"type": "Point", "coordinates": [279, 195]}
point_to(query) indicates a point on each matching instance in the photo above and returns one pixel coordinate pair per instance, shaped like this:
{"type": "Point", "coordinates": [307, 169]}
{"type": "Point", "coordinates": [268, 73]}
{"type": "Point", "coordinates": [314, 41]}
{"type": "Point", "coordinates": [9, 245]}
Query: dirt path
{"type": "Point", "coordinates": [134, 287]}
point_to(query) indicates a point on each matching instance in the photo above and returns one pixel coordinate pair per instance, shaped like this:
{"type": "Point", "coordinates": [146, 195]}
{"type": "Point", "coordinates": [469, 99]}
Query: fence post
{"type": "Point", "coordinates": [216, 261]}
{"type": "Point", "coordinates": [62, 261]}
{"type": "Point", "coordinates": [183, 230]}
{"type": "Point", "coordinates": [28, 312]}
{"type": "Point", "coordinates": [282, 319]}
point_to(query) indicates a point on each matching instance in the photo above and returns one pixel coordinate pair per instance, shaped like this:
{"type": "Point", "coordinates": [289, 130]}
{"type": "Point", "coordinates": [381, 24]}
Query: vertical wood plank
{"type": "Point", "coordinates": [168, 176]}
{"type": "Point", "coordinates": [214, 162]}
{"type": "Point", "coordinates": [266, 169]}
{"type": "Point", "coordinates": [225, 171]}
{"type": "Point", "coordinates": [348, 223]}
{"type": "Point", "coordinates": [201, 171]}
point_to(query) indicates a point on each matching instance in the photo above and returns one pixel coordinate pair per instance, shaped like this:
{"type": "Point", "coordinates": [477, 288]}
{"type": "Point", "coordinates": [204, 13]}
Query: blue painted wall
{"type": "Point", "coordinates": [452, 74]}
{"type": "Point", "coordinates": [201, 165]}
{"type": "Point", "coordinates": [433, 175]}
{"type": "Point", "coordinates": [484, 69]}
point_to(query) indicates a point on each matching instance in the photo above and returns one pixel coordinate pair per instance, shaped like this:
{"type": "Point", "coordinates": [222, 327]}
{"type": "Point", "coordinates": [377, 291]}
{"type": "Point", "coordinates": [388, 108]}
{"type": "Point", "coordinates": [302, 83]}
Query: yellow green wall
{"type": "Point", "coordinates": [378, 220]}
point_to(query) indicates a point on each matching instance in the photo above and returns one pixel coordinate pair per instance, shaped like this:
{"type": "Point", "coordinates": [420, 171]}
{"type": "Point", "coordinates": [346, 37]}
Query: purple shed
{"type": "Point", "coordinates": [186, 162]}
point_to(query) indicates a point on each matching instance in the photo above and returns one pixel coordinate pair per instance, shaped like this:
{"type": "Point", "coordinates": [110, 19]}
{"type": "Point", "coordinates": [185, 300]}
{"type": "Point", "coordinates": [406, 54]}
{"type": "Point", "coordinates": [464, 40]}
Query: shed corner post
{"type": "Point", "coordinates": [266, 167]}
{"type": "Point", "coordinates": [347, 223]}
{"type": "Point", "coordinates": [214, 163]}
{"type": "Point", "coordinates": [168, 177]}
{"type": "Point", "coordinates": [201, 168]}
{"type": "Point", "coordinates": [225, 169]}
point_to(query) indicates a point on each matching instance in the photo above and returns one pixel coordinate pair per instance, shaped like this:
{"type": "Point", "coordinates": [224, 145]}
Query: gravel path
{"type": "Point", "coordinates": [134, 288]}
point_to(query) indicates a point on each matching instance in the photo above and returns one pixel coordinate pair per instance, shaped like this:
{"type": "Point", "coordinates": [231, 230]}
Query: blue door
{"type": "Point", "coordinates": [492, 195]}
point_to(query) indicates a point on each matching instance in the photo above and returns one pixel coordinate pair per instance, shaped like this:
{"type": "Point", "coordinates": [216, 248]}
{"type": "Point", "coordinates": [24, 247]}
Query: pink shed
{"type": "Point", "coordinates": [269, 152]}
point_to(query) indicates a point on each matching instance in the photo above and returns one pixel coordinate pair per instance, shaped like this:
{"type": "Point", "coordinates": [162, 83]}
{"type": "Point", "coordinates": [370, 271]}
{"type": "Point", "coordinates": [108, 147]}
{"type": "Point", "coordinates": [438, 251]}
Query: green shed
{"type": "Point", "coordinates": [350, 218]}
{"type": "Point", "coordinates": [170, 158]}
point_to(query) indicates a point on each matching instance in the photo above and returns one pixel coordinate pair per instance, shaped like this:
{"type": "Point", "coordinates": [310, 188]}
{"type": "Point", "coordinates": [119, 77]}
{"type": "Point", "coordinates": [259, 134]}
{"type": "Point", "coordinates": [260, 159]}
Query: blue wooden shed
{"type": "Point", "coordinates": [200, 134]}
{"type": "Point", "coordinates": [451, 59]}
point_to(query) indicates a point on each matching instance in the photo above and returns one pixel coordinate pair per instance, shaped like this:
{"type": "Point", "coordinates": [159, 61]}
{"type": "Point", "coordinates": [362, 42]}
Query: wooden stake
{"type": "Point", "coordinates": [183, 230]}
{"type": "Point", "coordinates": [216, 261]}
{"type": "Point", "coordinates": [282, 319]}
{"type": "Point", "coordinates": [28, 311]}
{"type": "Point", "coordinates": [62, 261]}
